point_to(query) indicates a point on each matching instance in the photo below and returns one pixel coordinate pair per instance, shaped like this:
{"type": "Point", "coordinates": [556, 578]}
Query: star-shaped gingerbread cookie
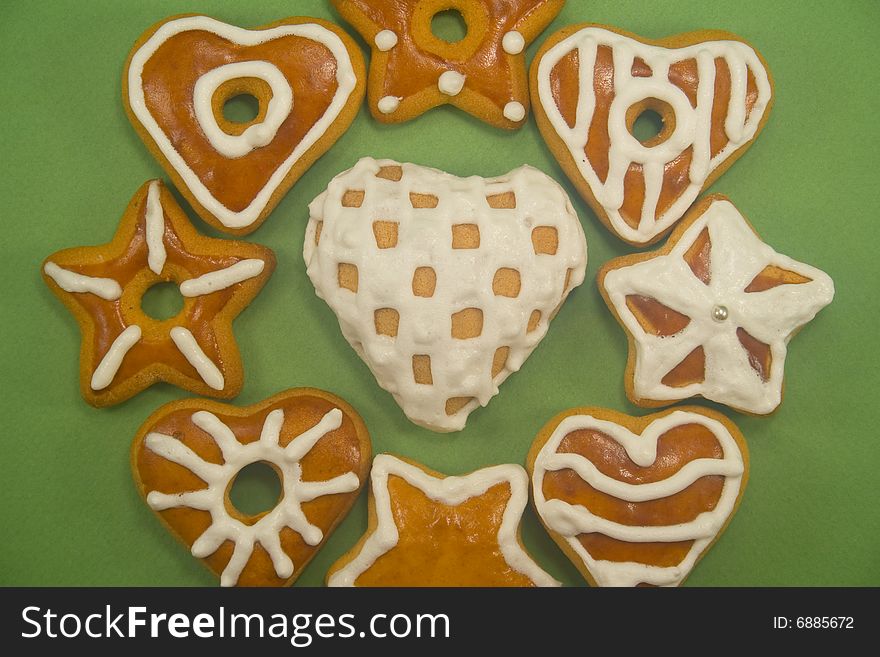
{"type": "Point", "coordinates": [124, 350]}
{"type": "Point", "coordinates": [412, 70]}
{"type": "Point", "coordinates": [426, 529]}
{"type": "Point", "coordinates": [711, 314]}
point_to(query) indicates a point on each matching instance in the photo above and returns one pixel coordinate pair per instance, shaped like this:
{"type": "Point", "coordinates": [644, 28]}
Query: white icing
{"type": "Point", "coordinates": [346, 82]}
{"type": "Point", "coordinates": [388, 104]}
{"type": "Point", "coordinates": [385, 40]}
{"type": "Point", "coordinates": [464, 277]}
{"type": "Point", "coordinates": [513, 42]}
{"type": "Point", "coordinates": [450, 83]}
{"type": "Point", "coordinates": [70, 281]}
{"type": "Point", "coordinates": [450, 491]}
{"type": "Point", "coordinates": [257, 135]}
{"type": "Point", "coordinates": [692, 125]}
{"type": "Point", "coordinates": [154, 218]}
{"type": "Point", "coordinates": [571, 520]}
{"type": "Point", "coordinates": [193, 353]}
{"type": "Point", "coordinates": [222, 278]}
{"type": "Point", "coordinates": [772, 316]}
{"type": "Point", "coordinates": [287, 513]}
{"type": "Point", "coordinates": [514, 111]}
{"type": "Point", "coordinates": [112, 360]}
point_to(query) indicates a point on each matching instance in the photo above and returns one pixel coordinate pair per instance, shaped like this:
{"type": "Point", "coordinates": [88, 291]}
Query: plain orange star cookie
{"type": "Point", "coordinates": [412, 70]}
{"type": "Point", "coordinates": [427, 529]}
{"type": "Point", "coordinates": [124, 350]}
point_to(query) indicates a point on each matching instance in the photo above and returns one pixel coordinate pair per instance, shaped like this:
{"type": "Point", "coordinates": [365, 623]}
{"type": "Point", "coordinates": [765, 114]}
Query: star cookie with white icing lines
{"type": "Point", "coordinates": [427, 529]}
{"type": "Point", "coordinates": [413, 70]}
{"type": "Point", "coordinates": [188, 454]}
{"type": "Point", "coordinates": [712, 312]}
{"type": "Point", "coordinates": [123, 349]}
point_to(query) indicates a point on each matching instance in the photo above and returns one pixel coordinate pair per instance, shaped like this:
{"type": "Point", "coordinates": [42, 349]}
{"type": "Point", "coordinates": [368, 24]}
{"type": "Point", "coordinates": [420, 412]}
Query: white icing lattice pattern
{"type": "Point", "coordinates": [771, 316]}
{"type": "Point", "coordinates": [692, 124]}
{"type": "Point", "coordinates": [450, 491]}
{"type": "Point", "coordinates": [287, 513]}
{"type": "Point", "coordinates": [460, 368]}
{"type": "Point", "coordinates": [571, 520]}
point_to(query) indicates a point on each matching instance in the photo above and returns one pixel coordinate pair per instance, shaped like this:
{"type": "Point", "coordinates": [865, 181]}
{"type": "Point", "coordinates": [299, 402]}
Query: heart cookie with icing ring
{"type": "Point", "coordinates": [307, 76]}
{"type": "Point", "coordinates": [187, 456]}
{"type": "Point", "coordinates": [637, 501]}
{"type": "Point", "coordinates": [590, 85]}
{"type": "Point", "coordinates": [443, 285]}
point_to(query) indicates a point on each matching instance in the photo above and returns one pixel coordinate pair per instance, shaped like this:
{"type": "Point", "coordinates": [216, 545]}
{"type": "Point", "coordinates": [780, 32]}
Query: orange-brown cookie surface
{"type": "Point", "coordinates": [124, 350]}
{"type": "Point", "coordinates": [412, 70]}
{"type": "Point", "coordinates": [590, 84]}
{"type": "Point", "coordinates": [306, 74]}
{"type": "Point", "coordinates": [637, 501]}
{"type": "Point", "coordinates": [186, 456]}
{"type": "Point", "coordinates": [427, 529]}
{"type": "Point", "coordinates": [711, 313]}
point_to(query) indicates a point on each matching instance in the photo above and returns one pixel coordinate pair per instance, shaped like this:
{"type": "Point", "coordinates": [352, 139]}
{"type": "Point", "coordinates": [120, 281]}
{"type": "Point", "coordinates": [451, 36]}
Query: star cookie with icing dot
{"type": "Point", "coordinates": [124, 350]}
{"type": "Point", "coordinates": [412, 70]}
{"type": "Point", "coordinates": [711, 314]}
{"type": "Point", "coordinates": [427, 529]}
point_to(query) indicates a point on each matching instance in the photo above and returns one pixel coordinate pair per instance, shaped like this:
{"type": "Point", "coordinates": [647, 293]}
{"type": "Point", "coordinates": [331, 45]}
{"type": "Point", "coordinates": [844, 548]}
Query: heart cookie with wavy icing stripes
{"type": "Point", "coordinates": [637, 501]}
{"type": "Point", "coordinates": [443, 285]}
{"type": "Point", "coordinates": [187, 455]}
{"type": "Point", "coordinates": [589, 85]}
{"type": "Point", "coordinates": [307, 76]}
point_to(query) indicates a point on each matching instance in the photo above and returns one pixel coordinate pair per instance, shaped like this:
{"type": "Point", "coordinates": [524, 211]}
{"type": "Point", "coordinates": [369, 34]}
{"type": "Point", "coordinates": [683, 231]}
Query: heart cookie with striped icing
{"type": "Point", "coordinates": [443, 285]}
{"type": "Point", "coordinates": [186, 457]}
{"type": "Point", "coordinates": [307, 76]}
{"type": "Point", "coordinates": [590, 84]}
{"type": "Point", "coordinates": [637, 501]}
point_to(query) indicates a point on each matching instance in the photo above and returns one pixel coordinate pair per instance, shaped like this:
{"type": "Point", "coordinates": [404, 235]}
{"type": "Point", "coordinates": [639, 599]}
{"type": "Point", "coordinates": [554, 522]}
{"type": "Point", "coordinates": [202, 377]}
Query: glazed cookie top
{"type": "Point", "coordinates": [712, 313]}
{"type": "Point", "coordinates": [306, 74]}
{"type": "Point", "coordinates": [443, 285]}
{"type": "Point", "coordinates": [712, 91]}
{"type": "Point", "coordinates": [412, 70]}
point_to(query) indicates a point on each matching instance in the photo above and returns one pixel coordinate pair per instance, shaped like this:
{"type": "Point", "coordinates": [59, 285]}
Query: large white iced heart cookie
{"type": "Point", "coordinates": [443, 285]}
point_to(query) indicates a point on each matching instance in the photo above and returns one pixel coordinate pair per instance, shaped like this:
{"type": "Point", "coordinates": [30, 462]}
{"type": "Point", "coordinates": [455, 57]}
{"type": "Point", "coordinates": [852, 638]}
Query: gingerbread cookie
{"type": "Point", "coordinates": [187, 455]}
{"type": "Point", "coordinates": [484, 74]}
{"type": "Point", "coordinates": [589, 83]}
{"type": "Point", "coordinates": [637, 501]}
{"type": "Point", "coordinates": [427, 529]}
{"type": "Point", "coordinates": [306, 74]}
{"type": "Point", "coordinates": [711, 313]}
{"type": "Point", "coordinates": [123, 349]}
{"type": "Point", "coordinates": [443, 285]}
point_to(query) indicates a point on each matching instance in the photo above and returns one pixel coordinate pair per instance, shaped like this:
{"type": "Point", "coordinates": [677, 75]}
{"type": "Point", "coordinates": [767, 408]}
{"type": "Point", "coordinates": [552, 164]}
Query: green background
{"type": "Point", "coordinates": [71, 161]}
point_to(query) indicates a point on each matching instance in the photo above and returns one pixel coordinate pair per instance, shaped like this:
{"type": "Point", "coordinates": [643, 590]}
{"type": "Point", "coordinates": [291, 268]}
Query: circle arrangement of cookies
{"type": "Point", "coordinates": [444, 286]}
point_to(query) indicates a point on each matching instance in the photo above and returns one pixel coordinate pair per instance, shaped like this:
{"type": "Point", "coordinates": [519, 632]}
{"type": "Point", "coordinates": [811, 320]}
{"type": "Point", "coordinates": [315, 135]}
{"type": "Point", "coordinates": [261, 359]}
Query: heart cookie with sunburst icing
{"type": "Point", "coordinates": [637, 501]}
{"type": "Point", "coordinates": [443, 285]}
{"type": "Point", "coordinates": [711, 90]}
{"type": "Point", "coordinates": [307, 76]}
{"type": "Point", "coordinates": [187, 455]}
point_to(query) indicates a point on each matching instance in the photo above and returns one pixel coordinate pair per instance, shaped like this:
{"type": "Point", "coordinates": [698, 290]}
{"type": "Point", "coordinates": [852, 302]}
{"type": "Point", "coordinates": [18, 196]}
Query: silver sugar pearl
{"type": "Point", "coordinates": [719, 313]}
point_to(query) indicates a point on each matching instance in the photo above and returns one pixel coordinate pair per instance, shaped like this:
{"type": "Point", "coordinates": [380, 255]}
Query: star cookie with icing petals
{"type": "Point", "coordinates": [124, 350]}
{"type": "Point", "coordinates": [412, 70]}
{"type": "Point", "coordinates": [427, 529]}
{"type": "Point", "coordinates": [712, 312]}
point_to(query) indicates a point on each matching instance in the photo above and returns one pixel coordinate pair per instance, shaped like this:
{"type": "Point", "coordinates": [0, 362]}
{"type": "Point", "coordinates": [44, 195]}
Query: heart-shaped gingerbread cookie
{"type": "Point", "coordinates": [307, 76]}
{"type": "Point", "coordinates": [443, 285]}
{"type": "Point", "coordinates": [589, 85]}
{"type": "Point", "coordinates": [187, 455]}
{"type": "Point", "coordinates": [637, 501]}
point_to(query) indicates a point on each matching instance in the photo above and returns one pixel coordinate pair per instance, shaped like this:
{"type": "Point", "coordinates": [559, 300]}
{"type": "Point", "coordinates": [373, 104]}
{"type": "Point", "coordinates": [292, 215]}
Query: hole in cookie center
{"type": "Point", "coordinates": [449, 25]}
{"type": "Point", "coordinates": [648, 125]}
{"type": "Point", "coordinates": [162, 301]}
{"type": "Point", "coordinates": [255, 489]}
{"type": "Point", "coordinates": [241, 108]}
